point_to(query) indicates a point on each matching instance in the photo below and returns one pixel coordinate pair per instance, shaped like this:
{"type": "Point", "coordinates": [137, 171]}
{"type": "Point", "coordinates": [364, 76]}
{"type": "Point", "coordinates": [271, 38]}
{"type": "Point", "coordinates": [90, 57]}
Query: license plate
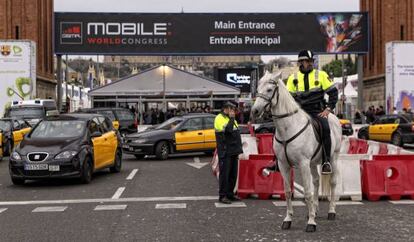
{"type": "Point", "coordinates": [35, 167]}
{"type": "Point", "coordinates": [54, 168]}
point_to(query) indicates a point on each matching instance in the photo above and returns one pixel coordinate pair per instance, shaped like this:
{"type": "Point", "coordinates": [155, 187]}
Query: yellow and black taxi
{"type": "Point", "coordinates": [69, 145]}
{"type": "Point", "coordinates": [12, 132]}
{"type": "Point", "coordinates": [187, 133]}
{"type": "Point", "coordinates": [346, 127]}
{"type": "Point", "coordinates": [396, 129]}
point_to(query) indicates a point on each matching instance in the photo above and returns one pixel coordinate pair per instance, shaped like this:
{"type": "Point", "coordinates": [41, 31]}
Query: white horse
{"type": "Point", "coordinates": [296, 146]}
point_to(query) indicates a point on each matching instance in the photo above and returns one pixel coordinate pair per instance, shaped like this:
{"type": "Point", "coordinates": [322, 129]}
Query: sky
{"type": "Point", "coordinates": [205, 6]}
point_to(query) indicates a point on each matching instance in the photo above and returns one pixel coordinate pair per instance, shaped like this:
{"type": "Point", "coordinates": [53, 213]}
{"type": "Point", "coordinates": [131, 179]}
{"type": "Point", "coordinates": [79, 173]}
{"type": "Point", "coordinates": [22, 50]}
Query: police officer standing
{"type": "Point", "coordinates": [308, 87]}
{"type": "Point", "coordinates": [229, 147]}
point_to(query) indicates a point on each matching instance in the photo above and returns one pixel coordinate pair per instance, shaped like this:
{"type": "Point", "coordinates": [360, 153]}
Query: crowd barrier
{"type": "Point", "coordinates": [265, 143]}
{"type": "Point", "coordinates": [389, 176]}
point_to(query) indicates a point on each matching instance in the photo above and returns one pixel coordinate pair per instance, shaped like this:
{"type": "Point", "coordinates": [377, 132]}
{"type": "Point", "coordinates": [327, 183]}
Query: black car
{"type": "Point", "coordinates": [126, 119]}
{"type": "Point", "coordinates": [13, 131]}
{"type": "Point", "coordinates": [188, 133]}
{"type": "Point", "coordinates": [70, 145]}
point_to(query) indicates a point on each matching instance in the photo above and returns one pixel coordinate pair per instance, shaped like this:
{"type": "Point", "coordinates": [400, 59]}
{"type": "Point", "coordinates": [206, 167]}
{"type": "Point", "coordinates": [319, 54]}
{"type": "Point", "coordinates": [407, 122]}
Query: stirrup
{"type": "Point", "coordinates": [326, 168]}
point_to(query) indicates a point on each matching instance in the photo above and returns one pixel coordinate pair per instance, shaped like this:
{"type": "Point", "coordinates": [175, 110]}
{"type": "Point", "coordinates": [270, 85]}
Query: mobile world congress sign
{"type": "Point", "coordinates": [210, 33]}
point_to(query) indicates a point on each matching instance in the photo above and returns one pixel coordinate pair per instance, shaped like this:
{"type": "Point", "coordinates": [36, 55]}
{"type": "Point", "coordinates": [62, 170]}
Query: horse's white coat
{"type": "Point", "coordinates": [301, 149]}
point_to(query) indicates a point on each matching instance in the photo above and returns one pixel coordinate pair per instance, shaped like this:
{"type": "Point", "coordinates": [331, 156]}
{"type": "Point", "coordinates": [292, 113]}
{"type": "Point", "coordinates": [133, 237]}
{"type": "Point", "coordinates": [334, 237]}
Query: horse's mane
{"type": "Point", "coordinates": [285, 98]}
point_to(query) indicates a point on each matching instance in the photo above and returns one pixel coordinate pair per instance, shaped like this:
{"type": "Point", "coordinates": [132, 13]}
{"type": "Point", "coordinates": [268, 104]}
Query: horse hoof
{"type": "Point", "coordinates": [286, 225]}
{"type": "Point", "coordinates": [310, 228]}
{"type": "Point", "coordinates": [331, 216]}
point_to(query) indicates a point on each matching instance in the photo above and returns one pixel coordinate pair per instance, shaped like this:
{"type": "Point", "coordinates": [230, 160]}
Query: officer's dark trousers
{"type": "Point", "coordinates": [228, 175]}
{"type": "Point", "coordinates": [326, 134]}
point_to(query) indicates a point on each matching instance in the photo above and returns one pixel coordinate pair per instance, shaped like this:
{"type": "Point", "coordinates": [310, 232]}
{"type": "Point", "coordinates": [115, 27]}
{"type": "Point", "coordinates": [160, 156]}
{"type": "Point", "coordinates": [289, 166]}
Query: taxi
{"type": "Point", "coordinates": [69, 145]}
{"type": "Point", "coordinates": [12, 133]}
{"type": "Point", "coordinates": [187, 133]}
{"type": "Point", "coordinates": [396, 129]}
{"type": "Point", "coordinates": [346, 127]}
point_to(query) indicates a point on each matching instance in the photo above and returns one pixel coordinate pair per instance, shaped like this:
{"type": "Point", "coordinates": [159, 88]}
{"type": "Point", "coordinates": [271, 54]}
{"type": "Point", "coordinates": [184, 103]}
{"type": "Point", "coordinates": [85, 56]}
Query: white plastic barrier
{"type": "Point", "coordinates": [249, 146]}
{"type": "Point", "coordinates": [344, 145]}
{"type": "Point", "coordinates": [393, 149]}
{"type": "Point", "coordinates": [348, 183]}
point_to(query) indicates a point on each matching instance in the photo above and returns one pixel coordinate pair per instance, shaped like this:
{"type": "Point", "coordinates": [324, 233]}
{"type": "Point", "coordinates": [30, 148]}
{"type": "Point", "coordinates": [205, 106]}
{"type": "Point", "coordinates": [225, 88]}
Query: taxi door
{"type": "Point", "coordinates": [209, 133]}
{"type": "Point", "coordinates": [376, 129]}
{"type": "Point", "coordinates": [190, 135]}
{"type": "Point", "coordinates": [389, 128]}
{"type": "Point", "coordinates": [110, 142]}
{"type": "Point", "coordinates": [98, 145]}
{"type": "Point", "coordinates": [19, 130]}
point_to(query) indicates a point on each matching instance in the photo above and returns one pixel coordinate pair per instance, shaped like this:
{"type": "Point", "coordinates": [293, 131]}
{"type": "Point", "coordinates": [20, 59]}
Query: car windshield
{"type": "Point", "coordinates": [124, 115]}
{"type": "Point", "coordinates": [170, 124]}
{"type": "Point", "coordinates": [27, 112]}
{"type": "Point", "coordinates": [59, 129]}
{"type": "Point", "coordinates": [5, 125]}
{"type": "Point", "coordinates": [107, 113]}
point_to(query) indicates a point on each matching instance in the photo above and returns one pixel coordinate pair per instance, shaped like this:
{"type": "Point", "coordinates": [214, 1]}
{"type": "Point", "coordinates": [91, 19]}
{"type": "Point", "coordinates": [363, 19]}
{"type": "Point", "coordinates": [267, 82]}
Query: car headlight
{"type": "Point", "coordinates": [66, 155]}
{"type": "Point", "coordinates": [16, 156]}
{"type": "Point", "coordinates": [140, 141]}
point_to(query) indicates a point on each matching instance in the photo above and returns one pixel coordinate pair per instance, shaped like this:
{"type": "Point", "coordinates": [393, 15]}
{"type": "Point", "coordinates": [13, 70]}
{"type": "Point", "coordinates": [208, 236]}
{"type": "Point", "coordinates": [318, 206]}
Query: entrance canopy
{"type": "Point", "coordinates": [177, 82]}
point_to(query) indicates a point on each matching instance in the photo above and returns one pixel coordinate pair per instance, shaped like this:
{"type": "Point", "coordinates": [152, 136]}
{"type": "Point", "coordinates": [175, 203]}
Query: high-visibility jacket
{"type": "Point", "coordinates": [309, 90]}
{"type": "Point", "coordinates": [228, 137]}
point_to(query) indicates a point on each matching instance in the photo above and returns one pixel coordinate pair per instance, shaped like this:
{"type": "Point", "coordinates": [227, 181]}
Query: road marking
{"type": "Point", "coordinates": [197, 164]}
{"type": "Point", "coordinates": [110, 200]}
{"type": "Point", "coordinates": [403, 202]}
{"type": "Point", "coordinates": [110, 207]}
{"type": "Point", "coordinates": [2, 209]}
{"type": "Point", "coordinates": [132, 174]}
{"type": "Point", "coordinates": [283, 203]}
{"type": "Point", "coordinates": [298, 191]}
{"type": "Point", "coordinates": [49, 209]}
{"type": "Point", "coordinates": [344, 203]}
{"type": "Point", "coordinates": [196, 159]}
{"type": "Point", "coordinates": [170, 205]}
{"type": "Point", "coordinates": [118, 193]}
{"type": "Point", "coordinates": [232, 205]}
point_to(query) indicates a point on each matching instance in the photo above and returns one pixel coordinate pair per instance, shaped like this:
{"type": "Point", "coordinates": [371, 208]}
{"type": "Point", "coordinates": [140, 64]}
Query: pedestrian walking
{"type": "Point", "coordinates": [229, 146]}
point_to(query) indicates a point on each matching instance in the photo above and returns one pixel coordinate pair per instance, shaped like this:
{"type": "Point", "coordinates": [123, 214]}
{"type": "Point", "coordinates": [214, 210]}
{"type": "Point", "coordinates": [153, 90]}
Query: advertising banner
{"type": "Point", "coordinates": [17, 72]}
{"type": "Point", "coordinates": [399, 75]}
{"type": "Point", "coordinates": [241, 78]}
{"type": "Point", "coordinates": [210, 33]}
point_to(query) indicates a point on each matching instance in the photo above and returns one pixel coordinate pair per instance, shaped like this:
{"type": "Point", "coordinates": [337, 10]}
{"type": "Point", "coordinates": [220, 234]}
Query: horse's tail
{"type": "Point", "coordinates": [326, 186]}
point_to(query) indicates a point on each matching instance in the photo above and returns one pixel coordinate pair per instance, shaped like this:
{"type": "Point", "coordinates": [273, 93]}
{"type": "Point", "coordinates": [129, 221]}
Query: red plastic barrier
{"type": "Point", "coordinates": [251, 129]}
{"type": "Point", "coordinates": [252, 181]}
{"type": "Point", "coordinates": [357, 146]}
{"type": "Point", "coordinates": [388, 176]}
{"type": "Point", "coordinates": [265, 143]}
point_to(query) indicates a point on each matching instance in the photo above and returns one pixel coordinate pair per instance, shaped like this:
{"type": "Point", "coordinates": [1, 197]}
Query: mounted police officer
{"type": "Point", "coordinates": [309, 86]}
{"type": "Point", "coordinates": [229, 147]}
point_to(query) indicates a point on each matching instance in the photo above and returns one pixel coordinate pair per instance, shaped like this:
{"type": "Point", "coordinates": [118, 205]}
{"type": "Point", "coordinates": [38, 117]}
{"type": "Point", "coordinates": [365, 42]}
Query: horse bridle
{"type": "Point", "coordinates": [269, 101]}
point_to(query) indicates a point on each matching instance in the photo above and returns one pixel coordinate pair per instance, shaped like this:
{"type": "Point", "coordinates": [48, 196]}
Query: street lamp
{"type": "Point", "coordinates": [344, 79]}
{"type": "Point", "coordinates": [163, 87]}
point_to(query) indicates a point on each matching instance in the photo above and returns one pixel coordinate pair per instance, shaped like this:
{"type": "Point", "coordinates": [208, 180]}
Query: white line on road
{"type": "Point", "coordinates": [403, 202]}
{"type": "Point", "coordinates": [170, 205]}
{"type": "Point", "coordinates": [2, 209]}
{"type": "Point", "coordinates": [110, 207]}
{"type": "Point", "coordinates": [298, 187]}
{"type": "Point", "coordinates": [49, 209]}
{"type": "Point", "coordinates": [232, 205]}
{"type": "Point", "coordinates": [110, 200]}
{"type": "Point", "coordinates": [344, 203]}
{"type": "Point", "coordinates": [196, 159]}
{"type": "Point", "coordinates": [132, 174]}
{"type": "Point", "coordinates": [118, 193]}
{"type": "Point", "coordinates": [283, 203]}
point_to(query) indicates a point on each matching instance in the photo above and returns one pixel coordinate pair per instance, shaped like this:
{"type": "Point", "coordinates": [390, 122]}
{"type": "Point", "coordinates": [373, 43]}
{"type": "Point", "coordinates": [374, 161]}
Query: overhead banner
{"type": "Point", "coordinates": [210, 33]}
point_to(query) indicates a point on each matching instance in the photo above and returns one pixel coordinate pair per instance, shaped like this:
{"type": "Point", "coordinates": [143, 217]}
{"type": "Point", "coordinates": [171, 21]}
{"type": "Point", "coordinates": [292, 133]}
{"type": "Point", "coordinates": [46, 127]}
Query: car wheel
{"type": "Point", "coordinates": [162, 150]}
{"type": "Point", "coordinates": [86, 172]}
{"type": "Point", "coordinates": [139, 157]}
{"type": "Point", "coordinates": [363, 135]}
{"type": "Point", "coordinates": [396, 139]}
{"type": "Point", "coordinates": [117, 164]}
{"type": "Point", "coordinates": [18, 181]}
{"type": "Point", "coordinates": [263, 131]}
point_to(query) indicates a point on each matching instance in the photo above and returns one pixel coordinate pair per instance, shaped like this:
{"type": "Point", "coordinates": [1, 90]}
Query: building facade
{"type": "Point", "coordinates": [32, 20]}
{"type": "Point", "coordinates": [390, 20]}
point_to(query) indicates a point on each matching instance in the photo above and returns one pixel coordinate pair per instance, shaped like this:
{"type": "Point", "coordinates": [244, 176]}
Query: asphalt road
{"type": "Point", "coordinates": [173, 201]}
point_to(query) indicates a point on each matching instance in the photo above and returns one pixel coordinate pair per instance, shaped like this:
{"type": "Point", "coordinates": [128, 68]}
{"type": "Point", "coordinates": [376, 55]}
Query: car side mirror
{"type": "Point", "coordinates": [96, 134]}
